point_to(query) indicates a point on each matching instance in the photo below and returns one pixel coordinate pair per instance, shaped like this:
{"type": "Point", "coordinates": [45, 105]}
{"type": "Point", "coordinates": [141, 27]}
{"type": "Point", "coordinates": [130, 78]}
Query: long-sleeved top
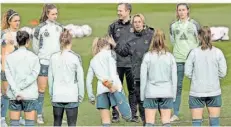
{"type": "Point", "coordinates": [205, 68]}
{"type": "Point", "coordinates": [184, 37]}
{"type": "Point", "coordinates": [46, 40]}
{"type": "Point", "coordinates": [66, 77]}
{"type": "Point", "coordinates": [8, 41]}
{"type": "Point", "coordinates": [11, 35]}
{"type": "Point", "coordinates": [22, 69]}
{"type": "Point", "coordinates": [158, 76]}
{"type": "Point", "coordinates": [103, 66]}
{"type": "Point", "coordinates": [136, 47]}
{"type": "Point", "coordinates": [121, 33]}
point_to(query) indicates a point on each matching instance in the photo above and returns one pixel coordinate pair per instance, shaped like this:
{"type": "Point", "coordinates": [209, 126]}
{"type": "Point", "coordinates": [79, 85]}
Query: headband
{"type": "Point", "coordinates": [12, 16]}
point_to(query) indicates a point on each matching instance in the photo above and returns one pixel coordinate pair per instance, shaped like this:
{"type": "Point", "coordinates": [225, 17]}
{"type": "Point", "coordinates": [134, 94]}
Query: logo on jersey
{"type": "Point", "coordinates": [183, 37]}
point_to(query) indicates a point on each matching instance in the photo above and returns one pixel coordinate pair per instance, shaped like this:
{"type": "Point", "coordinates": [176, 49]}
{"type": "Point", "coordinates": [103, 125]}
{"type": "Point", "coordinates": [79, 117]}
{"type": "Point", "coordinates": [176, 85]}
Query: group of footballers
{"type": "Point", "coordinates": [154, 75]}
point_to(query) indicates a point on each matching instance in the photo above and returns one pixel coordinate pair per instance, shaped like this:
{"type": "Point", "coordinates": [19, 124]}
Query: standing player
{"type": "Point", "coordinates": [10, 25]}
{"type": "Point", "coordinates": [109, 87]}
{"type": "Point", "coordinates": [205, 66]}
{"type": "Point", "coordinates": [158, 79]}
{"type": "Point", "coordinates": [120, 31]}
{"type": "Point", "coordinates": [22, 69]}
{"type": "Point", "coordinates": [46, 42]}
{"type": "Point", "coordinates": [66, 82]}
{"type": "Point", "coordinates": [137, 46]}
{"type": "Point", "coordinates": [183, 33]}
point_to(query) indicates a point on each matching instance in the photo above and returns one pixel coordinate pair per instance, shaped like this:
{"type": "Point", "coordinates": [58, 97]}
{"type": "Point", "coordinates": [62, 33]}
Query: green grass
{"type": "Point", "coordinates": [99, 16]}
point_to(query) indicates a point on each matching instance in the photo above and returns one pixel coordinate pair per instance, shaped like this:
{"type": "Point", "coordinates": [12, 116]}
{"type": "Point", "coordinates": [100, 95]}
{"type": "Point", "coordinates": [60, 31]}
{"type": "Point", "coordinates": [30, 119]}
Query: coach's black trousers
{"type": "Point", "coordinates": [140, 103]}
{"type": "Point", "coordinates": [131, 90]}
{"type": "Point", "coordinates": [71, 113]}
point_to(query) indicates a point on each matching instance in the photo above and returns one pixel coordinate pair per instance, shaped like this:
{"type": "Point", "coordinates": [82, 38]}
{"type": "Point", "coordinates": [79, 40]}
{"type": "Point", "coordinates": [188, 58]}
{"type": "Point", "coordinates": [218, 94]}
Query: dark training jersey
{"type": "Point", "coordinates": [121, 33]}
{"type": "Point", "coordinates": [136, 47]}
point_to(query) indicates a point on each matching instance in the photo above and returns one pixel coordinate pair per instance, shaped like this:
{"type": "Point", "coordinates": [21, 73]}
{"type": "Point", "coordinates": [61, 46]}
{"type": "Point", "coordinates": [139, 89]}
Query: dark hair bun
{"type": "Point", "coordinates": [11, 11]}
{"type": "Point", "coordinates": [22, 37]}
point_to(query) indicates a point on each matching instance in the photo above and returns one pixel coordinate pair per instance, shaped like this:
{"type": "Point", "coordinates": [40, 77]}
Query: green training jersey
{"type": "Point", "coordinates": [184, 36]}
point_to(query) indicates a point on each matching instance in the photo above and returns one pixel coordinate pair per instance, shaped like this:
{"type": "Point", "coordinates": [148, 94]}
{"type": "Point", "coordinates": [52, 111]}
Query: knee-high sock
{"type": "Point", "coordinates": [196, 122]}
{"type": "Point", "coordinates": [4, 105]}
{"type": "Point", "coordinates": [214, 121]}
{"type": "Point", "coordinates": [40, 103]}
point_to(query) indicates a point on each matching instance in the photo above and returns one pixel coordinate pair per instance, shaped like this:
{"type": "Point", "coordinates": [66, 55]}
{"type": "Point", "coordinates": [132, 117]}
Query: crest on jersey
{"type": "Point", "coordinates": [177, 32]}
{"type": "Point", "coordinates": [117, 34]}
{"type": "Point", "coordinates": [131, 30]}
{"type": "Point", "coordinates": [36, 33]}
{"type": "Point", "coordinates": [46, 33]}
{"type": "Point", "coordinates": [146, 42]}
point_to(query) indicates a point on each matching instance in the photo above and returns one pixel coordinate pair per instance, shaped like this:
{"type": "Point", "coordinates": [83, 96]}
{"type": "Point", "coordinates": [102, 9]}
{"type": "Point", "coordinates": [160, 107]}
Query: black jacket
{"type": "Point", "coordinates": [136, 47]}
{"type": "Point", "coordinates": [121, 33]}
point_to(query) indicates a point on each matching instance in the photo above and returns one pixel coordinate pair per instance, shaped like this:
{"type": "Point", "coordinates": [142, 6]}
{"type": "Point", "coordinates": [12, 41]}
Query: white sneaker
{"type": "Point", "coordinates": [3, 123]}
{"type": "Point", "coordinates": [174, 118]}
{"type": "Point", "coordinates": [21, 121]}
{"type": "Point", "coordinates": [40, 119]}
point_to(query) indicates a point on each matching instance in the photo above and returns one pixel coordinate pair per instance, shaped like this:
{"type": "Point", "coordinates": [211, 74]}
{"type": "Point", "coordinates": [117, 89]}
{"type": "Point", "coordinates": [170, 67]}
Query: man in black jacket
{"type": "Point", "coordinates": [121, 31]}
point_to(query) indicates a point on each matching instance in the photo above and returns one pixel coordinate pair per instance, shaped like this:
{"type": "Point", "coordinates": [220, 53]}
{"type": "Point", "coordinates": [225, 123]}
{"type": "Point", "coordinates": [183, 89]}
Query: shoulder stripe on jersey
{"type": "Point", "coordinates": [37, 29]}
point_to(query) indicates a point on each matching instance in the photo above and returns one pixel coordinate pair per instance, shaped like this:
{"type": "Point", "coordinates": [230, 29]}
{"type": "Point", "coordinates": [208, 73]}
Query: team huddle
{"type": "Point", "coordinates": [132, 49]}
